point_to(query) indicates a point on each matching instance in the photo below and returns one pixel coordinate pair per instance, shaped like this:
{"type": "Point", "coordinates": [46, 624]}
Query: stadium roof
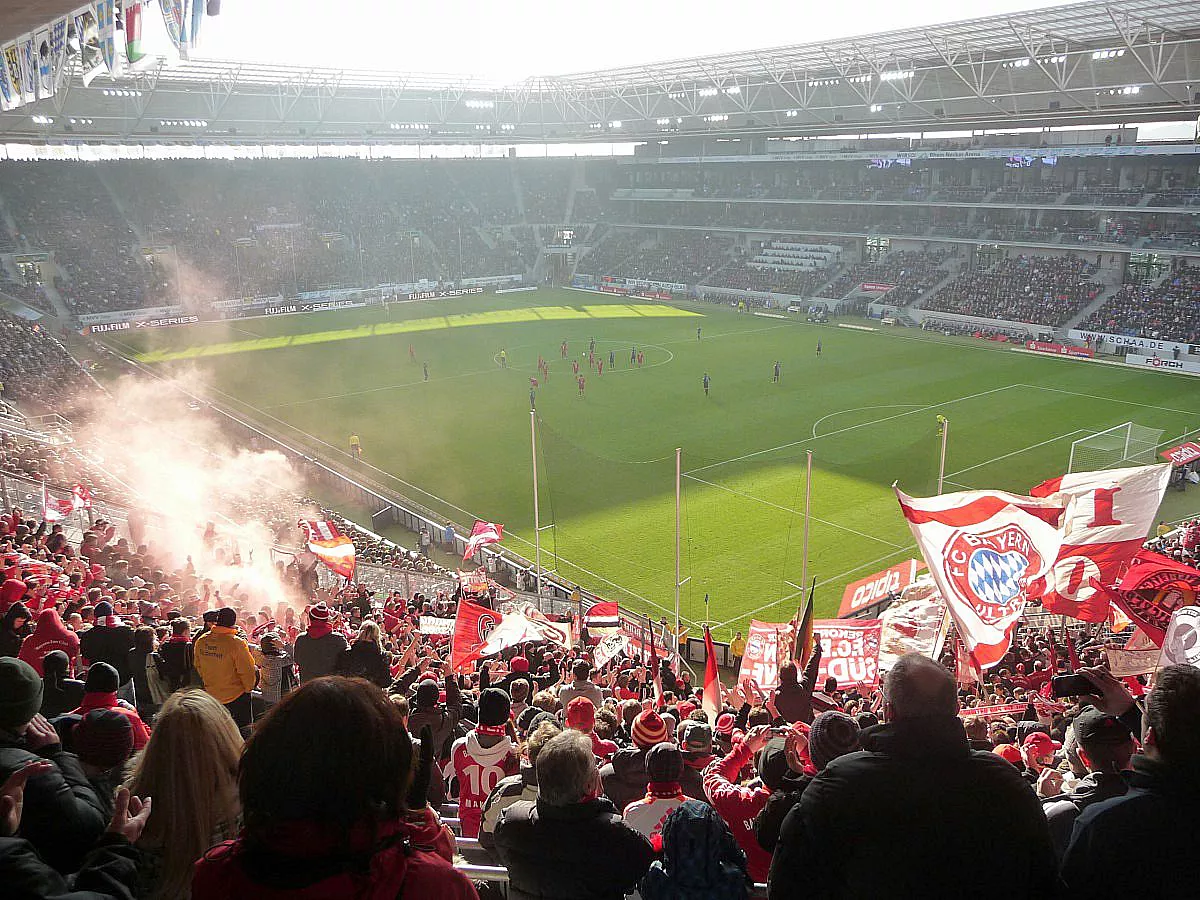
{"type": "Point", "coordinates": [1124, 61]}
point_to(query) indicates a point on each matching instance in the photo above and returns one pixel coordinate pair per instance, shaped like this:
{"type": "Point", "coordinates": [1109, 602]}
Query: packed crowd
{"type": "Point", "coordinates": [1046, 290]}
{"type": "Point", "coordinates": [1168, 310]}
{"type": "Point", "coordinates": [910, 273]}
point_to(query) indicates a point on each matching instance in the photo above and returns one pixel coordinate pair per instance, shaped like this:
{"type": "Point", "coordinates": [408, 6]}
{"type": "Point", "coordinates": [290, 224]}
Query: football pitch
{"type": "Point", "coordinates": [459, 442]}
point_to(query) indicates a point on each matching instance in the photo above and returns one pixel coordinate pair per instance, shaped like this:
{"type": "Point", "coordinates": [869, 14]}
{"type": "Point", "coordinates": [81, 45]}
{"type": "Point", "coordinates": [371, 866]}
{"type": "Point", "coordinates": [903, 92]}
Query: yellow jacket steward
{"type": "Point", "coordinates": [225, 665]}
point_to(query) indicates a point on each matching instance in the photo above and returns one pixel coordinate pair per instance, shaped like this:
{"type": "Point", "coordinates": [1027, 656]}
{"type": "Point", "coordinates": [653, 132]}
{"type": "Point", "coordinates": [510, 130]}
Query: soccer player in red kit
{"type": "Point", "coordinates": [582, 382]}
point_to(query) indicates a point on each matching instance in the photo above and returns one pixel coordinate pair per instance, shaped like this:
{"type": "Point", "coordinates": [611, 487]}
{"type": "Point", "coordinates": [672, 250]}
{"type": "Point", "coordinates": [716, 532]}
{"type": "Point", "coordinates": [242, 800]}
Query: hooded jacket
{"type": "Point", "coordinates": [225, 665]}
{"type": "Point", "coordinates": [916, 813]}
{"type": "Point", "coordinates": [60, 694]}
{"type": "Point", "coordinates": [478, 770]}
{"type": "Point", "coordinates": [11, 637]}
{"type": "Point", "coordinates": [739, 805]}
{"type": "Point", "coordinates": [700, 860]}
{"type": "Point", "coordinates": [11, 591]}
{"type": "Point", "coordinates": [49, 634]}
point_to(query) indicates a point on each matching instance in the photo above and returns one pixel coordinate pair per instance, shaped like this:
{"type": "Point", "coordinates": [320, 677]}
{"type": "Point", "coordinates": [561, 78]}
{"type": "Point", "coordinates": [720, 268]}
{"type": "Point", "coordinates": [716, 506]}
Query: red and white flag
{"type": "Point", "coordinates": [81, 497]}
{"type": "Point", "coordinates": [55, 510]}
{"type": "Point", "coordinates": [983, 548]}
{"type": "Point", "coordinates": [480, 632]}
{"type": "Point", "coordinates": [329, 545]}
{"type": "Point", "coordinates": [603, 614]}
{"type": "Point", "coordinates": [482, 533]}
{"type": "Point", "coordinates": [710, 699]}
{"type": "Point", "coordinates": [1109, 514]}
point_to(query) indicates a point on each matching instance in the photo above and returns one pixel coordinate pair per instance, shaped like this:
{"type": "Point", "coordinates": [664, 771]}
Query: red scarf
{"type": "Point", "coordinates": [490, 730]}
{"type": "Point", "coordinates": [664, 790]}
{"type": "Point", "coordinates": [318, 629]}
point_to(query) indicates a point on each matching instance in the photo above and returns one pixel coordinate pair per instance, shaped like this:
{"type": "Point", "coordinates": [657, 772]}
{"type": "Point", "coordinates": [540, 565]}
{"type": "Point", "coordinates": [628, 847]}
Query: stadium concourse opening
{"type": "Point", "coordinates": [644, 443]}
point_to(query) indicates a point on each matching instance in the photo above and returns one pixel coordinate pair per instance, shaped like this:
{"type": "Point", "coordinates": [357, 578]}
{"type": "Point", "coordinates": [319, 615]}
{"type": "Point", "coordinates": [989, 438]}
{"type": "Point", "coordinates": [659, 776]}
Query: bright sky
{"type": "Point", "coordinates": [508, 41]}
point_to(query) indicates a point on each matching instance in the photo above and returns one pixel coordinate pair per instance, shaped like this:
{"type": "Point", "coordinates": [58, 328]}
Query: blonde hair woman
{"type": "Point", "coordinates": [191, 763]}
{"type": "Point", "coordinates": [365, 658]}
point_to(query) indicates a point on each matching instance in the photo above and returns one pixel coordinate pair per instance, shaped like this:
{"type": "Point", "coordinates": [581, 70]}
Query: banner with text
{"type": "Point", "coordinates": [849, 652]}
{"type": "Point", "coordinates": [866, 591]}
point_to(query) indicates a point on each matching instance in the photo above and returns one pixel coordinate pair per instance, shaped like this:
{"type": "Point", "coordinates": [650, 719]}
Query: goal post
{"type": "Point", "coordinates": [1127, 444]}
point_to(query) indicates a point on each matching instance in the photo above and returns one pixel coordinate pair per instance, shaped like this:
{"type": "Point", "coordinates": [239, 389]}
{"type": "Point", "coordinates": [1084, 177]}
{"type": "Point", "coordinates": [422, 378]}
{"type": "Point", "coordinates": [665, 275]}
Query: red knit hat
{"type": "Point", "coordinates": [685, 709]}
{"type": "Point", "coordinates": [581, 714]}
{"type": "Point", "coordinates": [319, 613]}
{"type": "Point", "coordinates": [725, 724]}
{"type": "Point", "coordinates": [649, 729]}
{"type": "Point", "coordinates": [519, 664]}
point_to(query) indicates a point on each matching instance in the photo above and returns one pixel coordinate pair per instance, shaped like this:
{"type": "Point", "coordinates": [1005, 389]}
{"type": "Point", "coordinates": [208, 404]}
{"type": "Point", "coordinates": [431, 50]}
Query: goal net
{"type": "Point", "coordinates": [1122, 445]}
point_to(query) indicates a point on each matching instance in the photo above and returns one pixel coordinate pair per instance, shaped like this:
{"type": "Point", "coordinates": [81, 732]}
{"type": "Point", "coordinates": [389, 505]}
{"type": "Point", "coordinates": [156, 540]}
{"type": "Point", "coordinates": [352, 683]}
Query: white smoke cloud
{"type": "Point", "coordinates": [183, 472]}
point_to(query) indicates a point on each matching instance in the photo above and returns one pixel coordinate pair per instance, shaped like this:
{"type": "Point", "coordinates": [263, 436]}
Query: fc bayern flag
{"type": "Point", "coordinates": [482, 533]}
{"type": "Point", "coordinates": [1109, 514]}
{"type": "Point", "coordinates": [983, 548]}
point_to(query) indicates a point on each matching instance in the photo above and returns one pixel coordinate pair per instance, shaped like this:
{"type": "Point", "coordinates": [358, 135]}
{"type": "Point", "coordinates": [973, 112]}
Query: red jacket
{"type": "Point", "coordinates": [406, 866]}
{"type": "Point", "coordinates": [739, 806]}
{"type": "Point", "coordinates": [96, 700]}
{"type": "Point", "coordinates": [49, 634]}
{"type": "Point", "coordinates": [11, 591]}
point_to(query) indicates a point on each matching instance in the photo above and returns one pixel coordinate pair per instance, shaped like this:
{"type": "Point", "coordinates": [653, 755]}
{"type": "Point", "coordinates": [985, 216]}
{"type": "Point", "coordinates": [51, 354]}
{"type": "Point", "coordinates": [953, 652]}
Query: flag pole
{"type": "Point", "coordinates": [944, 426]}
{"type": "Point", "coordinates": [807, 509]}
{"type": "Point", "coordinates": [537, 529]}
{"type": "Point", "coordinates": [678, 472]}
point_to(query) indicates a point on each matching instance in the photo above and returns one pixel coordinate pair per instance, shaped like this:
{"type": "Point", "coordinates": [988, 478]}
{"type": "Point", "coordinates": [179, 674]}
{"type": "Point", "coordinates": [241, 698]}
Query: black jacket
{"type": "Point", "coordinates": [1062, 811]}
{"type": "Point", "coordinates": [916, 813]}
{"type": "Point", "coordinates": [110, 645]}
{"type": "Point", "coordinates": [579, 852]}
{"type": "Point", "coordinates": [60, 696]}
{"type": "Point", "coordinates": [109, 872]}
{"type": "Point", "coordinates": [794, 700]}
{"type": "Point", "coordinates": [779, 804]}
{"type": "Point", "coordinates": [625, 778]}
{"type": "Point", "coordinates": [1160, 810]}
{"type": "Point", "coordinates": [364, 660]}
{"type": "Point", "coordinates": [62, 815]}
{"type": "Point", "coordinates": [177, 658]}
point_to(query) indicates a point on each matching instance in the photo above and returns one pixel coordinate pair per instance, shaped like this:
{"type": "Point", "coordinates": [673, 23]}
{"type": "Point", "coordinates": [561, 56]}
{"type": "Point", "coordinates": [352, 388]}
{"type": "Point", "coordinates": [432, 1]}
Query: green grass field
{"type": "Point", "coordinates": [460, 443]}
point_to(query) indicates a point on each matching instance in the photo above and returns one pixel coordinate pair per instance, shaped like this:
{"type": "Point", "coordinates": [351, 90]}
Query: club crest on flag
{"type": "Point", "coordinates": [486, 624]}
{"type": "Point", "coordinates": [989, 570]}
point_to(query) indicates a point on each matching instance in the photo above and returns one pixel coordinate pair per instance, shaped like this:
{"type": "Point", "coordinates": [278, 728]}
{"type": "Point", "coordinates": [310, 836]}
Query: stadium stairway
{"type": "Point", "coordinates": [518, 191]}
{"type": "Point", "coordinates": [578, 183]}
{"type": "Point", "coordinates": [950, 276]}
{"type": "Point", "coordinates": [1101, 299]}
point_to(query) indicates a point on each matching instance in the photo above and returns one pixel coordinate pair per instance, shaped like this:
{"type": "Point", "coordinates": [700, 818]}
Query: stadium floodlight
{"type": "Point", "coordinates": [706, 92]}
{"type": "Point", "coordinates": [481, 104]}
{"type": "Point", "coordinates": [615, 123]}
{"type": "Point", "coordinates": [42, 120]}
{"type": "Point", "coordinates": [897, 76]}
{"type": "Point", "coordinates": [876, 107]}
{"type": "Point", "coordinates": [733, 90]}
{"type": "Point", "coordinates": [792, 113]}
